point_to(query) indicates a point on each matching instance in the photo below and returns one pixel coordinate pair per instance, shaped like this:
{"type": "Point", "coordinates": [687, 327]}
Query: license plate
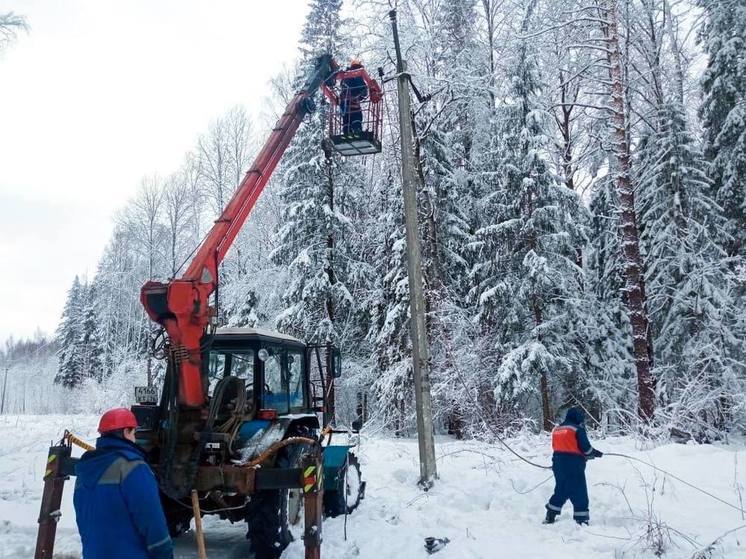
{"type": "Point", "coordinates": [146, 394]}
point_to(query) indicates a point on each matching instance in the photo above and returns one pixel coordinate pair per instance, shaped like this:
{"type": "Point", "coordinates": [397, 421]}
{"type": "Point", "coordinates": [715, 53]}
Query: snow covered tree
{"type": "Point", "coordinates": [527, 278]}
{"type": "Point", "coordinates": [388, 311]}
{"type": "Point", "coordinates": [10, 25]}
{"type": "Point", "coordinates": [312, 222]}
{"type": "Point", "coordinates": [69, 335]}
{"type": "Point", "coordinates": [91, 358]}
{"type": "Point", "coordinates": [180, 217]}
{"type": "Point", "coordinates": [611, 374]}
{"type": "Point", "coordinates": [689, 290]}
{"type": "Point", "coordinates": [723, 112]}
{"type": "Point", "coordinates": [446, 127]}
{"type": "Point", "coordinates": [634, 289]}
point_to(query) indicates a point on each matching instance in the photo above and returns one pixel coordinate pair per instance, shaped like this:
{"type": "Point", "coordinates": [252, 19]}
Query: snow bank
{"type": "Point", "coordinates": [486, 502]}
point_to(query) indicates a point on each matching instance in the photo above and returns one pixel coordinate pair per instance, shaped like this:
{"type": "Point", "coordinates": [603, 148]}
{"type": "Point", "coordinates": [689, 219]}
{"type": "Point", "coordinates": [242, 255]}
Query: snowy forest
{"type": "Point", "coordinates": [582, 222]}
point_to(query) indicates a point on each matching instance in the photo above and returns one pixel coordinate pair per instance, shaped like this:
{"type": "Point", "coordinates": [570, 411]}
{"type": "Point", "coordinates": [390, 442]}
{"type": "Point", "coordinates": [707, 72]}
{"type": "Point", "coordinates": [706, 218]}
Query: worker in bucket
{"type": "Point", "coordinates": [572, 450]}
{"type": "Point", "coordinates": [117, 505]}
{"type": "Point", "coordinates": [352, 92]}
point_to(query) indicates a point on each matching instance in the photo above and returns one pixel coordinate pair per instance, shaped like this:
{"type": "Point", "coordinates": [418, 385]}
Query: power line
{"type": "Point", "coordinates": [731, 505]}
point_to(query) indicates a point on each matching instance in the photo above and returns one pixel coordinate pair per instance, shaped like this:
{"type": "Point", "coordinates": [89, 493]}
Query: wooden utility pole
{"type": "Point", "coordinates": [418, 331]}
{"type": "Point", "coordinates": [5, 385]}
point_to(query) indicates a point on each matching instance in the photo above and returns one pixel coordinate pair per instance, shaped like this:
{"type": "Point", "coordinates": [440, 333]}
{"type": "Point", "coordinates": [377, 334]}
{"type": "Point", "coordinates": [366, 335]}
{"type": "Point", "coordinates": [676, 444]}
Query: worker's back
{"type": "Point", "coordinates": [354, 88]}
{"type": "Point", "coordinates": [117, 506]}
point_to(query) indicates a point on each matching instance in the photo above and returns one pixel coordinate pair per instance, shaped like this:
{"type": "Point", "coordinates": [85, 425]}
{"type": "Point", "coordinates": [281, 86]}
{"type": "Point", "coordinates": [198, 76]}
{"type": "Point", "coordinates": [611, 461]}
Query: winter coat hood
{"type": "Point", "coordinates": [575, 416]}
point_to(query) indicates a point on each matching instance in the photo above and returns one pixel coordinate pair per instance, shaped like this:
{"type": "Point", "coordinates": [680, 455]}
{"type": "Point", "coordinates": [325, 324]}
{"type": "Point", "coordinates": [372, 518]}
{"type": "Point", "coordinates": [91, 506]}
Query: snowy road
{"type": "Point", "coordinates": [477, 503]}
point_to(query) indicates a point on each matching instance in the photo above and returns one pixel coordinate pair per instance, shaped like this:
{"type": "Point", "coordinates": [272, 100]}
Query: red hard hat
{"type": "Point", "coordinates": [118, 418]}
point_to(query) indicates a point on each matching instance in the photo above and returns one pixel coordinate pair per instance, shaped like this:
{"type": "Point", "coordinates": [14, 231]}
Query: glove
{"type": "Point", "coordinates": [596, 453]}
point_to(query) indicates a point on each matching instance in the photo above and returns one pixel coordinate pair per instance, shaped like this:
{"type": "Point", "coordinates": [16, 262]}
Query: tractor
{"type": "Point", "coordinates": [264, 389]}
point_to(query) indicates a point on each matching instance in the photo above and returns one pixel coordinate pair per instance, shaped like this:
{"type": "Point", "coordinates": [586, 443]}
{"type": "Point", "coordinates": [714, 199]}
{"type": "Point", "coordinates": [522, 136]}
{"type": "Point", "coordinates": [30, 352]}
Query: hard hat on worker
{"type": "Point", "coordinates": [118, 418]}
{"type": "Point", "coordinates": [355, 62]}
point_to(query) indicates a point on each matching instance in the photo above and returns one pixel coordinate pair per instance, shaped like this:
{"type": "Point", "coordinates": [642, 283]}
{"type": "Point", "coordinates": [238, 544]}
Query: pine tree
{"type": "Point", "coordinates": [312, 222]}
{"type": "Point", "coordinates": [723, 112]}
{"type": "Point", "coordinates": [528, 281]}
{"type": "Point", "coordinates": [68, 337]}
{"type": "Point", "coordinates": [387, 307]}
{"type": "Point", "coordinates": [688, 284]}
{"type": "Point", "coordinates": [611, 371]}
{"type": "Point", "coordinates": [91, 364]}
{"type": "Point", "coordinates": [446, 150]}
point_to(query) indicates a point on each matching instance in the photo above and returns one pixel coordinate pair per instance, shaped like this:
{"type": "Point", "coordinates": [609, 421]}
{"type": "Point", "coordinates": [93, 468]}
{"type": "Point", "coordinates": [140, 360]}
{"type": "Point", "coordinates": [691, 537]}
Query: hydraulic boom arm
{"type": "Point", "coordinates": [181, 305]}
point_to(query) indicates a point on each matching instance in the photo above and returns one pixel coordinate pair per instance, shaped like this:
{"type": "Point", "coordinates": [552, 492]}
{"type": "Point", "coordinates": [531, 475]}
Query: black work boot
{"type": "Point", "coordinates": [550, 517]}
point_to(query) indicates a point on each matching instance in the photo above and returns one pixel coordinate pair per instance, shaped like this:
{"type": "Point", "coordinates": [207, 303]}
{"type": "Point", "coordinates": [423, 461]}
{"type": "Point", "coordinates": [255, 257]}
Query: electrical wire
{"type": "Point", "coordinates": [534, 488]}
{"type": "Point", "coordinates": [691, 485]}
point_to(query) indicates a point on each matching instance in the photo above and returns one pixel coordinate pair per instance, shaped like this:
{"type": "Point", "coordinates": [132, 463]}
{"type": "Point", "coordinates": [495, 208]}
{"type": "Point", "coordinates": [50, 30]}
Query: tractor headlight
{"type": "Point", "coordinates": [263, 354]}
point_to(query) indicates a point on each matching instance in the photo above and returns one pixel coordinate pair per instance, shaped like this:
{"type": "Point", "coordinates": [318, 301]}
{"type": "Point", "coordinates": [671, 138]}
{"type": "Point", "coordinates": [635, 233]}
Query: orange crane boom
{"type": "Point", "coordinates": [181, 305]}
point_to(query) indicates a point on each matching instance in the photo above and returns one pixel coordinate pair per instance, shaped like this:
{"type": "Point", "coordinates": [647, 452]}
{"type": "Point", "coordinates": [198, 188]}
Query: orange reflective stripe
{"type": "Point", "coordinates": [564, 439]}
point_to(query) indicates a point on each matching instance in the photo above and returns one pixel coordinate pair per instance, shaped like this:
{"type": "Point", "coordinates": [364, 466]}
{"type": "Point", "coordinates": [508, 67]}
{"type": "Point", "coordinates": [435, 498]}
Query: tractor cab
{"type": "Point", "coordinates": [269, 374]}
{"type": "Point", "coordinates": [355, 117]}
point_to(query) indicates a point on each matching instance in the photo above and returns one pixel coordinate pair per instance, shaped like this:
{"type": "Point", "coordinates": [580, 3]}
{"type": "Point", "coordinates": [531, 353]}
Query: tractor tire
{"type": "Point", "coordinates": [276, 515]}
{"type": "Point", "coordinates": [346, 496]}
{"type": "Point", "coordinates": [178, 517]}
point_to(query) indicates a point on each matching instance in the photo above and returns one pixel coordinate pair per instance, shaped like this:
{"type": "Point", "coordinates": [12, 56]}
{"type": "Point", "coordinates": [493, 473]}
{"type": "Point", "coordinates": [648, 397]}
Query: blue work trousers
{"type": "Point", "coordinates": [569, 479]}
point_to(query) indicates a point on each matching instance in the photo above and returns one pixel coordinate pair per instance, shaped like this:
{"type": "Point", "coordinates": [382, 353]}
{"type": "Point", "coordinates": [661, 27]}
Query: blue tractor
{"type": "Point", "coordinates": [268, 405]}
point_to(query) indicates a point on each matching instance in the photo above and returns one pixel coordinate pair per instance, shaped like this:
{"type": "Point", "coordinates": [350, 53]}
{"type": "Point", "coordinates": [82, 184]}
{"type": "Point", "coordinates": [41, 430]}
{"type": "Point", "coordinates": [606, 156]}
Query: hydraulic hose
{"type": "Point", "coordinates": [72, 439]}
{"type": "Point", "coordinates": [277, 446]}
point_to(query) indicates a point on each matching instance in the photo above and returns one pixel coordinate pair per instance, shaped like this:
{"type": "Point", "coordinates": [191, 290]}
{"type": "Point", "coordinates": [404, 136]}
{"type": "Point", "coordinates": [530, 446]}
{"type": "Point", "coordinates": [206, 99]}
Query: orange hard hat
{"type": "Point", "coordinates": [355, 62]}
{"type": "Point", "coordinates": [118, 418]}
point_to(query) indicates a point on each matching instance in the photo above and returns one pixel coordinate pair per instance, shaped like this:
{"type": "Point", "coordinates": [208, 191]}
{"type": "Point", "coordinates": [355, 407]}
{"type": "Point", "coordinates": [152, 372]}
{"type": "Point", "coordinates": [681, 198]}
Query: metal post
{"type": "Point", "coordinates": [51, 499]}
{"type": "Point", "coordinates": [313, 492]}
{"type": "Point", "coordinates": [330, 408]}
{"type": "Point", "coordinates": [420, 350]}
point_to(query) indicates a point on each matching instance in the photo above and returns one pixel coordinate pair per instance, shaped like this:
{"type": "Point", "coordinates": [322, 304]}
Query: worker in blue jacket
{"type": "Point", "coordinates": [572, 450]}
{"type": "Point", "coordinates": [352, 92]}
{"type": "Point", "coordinates": [117, 505]}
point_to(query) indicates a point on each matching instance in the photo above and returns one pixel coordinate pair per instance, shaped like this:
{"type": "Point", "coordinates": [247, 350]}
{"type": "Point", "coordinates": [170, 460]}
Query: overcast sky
{"type": "Point", "coordinates": [98, 94]}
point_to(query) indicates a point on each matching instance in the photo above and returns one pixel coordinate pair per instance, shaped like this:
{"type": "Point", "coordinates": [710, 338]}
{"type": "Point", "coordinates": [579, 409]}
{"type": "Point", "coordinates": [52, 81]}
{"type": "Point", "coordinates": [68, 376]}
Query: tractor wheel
{"type": "Point", "coordinates": [178, 517]}
{"type": "Point", "coordinates": [276, 517]}
{"type": "Point", "coordinates": [345, 497]}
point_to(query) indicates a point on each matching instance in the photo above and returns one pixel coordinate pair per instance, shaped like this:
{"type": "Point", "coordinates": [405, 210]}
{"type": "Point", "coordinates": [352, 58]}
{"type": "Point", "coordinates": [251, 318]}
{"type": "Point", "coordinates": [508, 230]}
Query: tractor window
{"type": "Point", "coordinates": [295, 377]}
{"type": "Point", "coordinates": [275, 387]}
{"type": "Point", "coordinates": [242, 366]}
{"type": "Point", "coordinates": [237, 363]}
{"type": "Point", "coordinates": [216, 368]}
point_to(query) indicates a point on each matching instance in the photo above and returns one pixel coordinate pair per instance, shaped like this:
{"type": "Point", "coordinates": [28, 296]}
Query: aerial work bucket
{"type": "Point", "coordinates": [355, 115]}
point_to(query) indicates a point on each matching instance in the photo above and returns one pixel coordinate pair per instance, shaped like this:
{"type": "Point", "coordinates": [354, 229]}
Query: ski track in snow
{"type": "Point", "coordinates": [475, 503]}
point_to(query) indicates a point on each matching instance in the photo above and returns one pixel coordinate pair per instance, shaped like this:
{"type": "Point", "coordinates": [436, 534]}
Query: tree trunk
{"type": "Point", "coordinates": [546, 412]}
{"type": "Point", "coordinates": [629, 236]}
{"type": "Point", "coordinates": [676, 52]}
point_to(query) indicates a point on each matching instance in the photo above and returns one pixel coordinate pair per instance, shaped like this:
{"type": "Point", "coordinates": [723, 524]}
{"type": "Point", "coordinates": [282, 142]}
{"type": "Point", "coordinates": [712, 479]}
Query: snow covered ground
{"type": "Point", "coordinates": [483, 502]}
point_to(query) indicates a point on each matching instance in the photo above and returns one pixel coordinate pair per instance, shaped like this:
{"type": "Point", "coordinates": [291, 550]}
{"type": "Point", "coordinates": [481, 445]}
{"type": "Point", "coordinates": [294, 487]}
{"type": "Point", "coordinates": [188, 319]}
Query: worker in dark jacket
{"type": "Point", "coordinates": [572, 450]}
{"type": "Point", "coordinates": [352, 92]}
{"type": "Point", "coordinates": [117, 505]}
